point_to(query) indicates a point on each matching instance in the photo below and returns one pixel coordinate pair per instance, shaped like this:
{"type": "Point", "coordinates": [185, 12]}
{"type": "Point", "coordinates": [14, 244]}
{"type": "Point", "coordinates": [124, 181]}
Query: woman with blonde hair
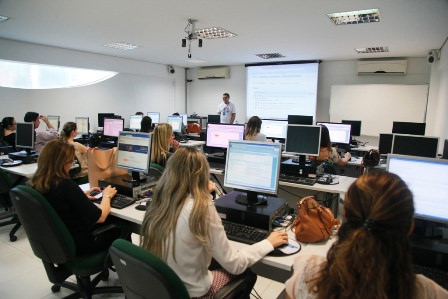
{"type": "Point", "coordinates": [162, 139]}
{"type": "Point", "coordinates": [183, 228]}
{"type": "Point", "coordinates": [253, 128]}
{"type": "Point", "coordinates": [372, 256]}
{"type": "Point", "coordinates": [68, 134]}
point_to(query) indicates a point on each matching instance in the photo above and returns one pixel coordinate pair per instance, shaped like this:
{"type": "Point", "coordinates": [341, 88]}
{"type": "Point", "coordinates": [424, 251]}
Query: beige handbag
{"type": "Point", "coordinates": [102, 165]}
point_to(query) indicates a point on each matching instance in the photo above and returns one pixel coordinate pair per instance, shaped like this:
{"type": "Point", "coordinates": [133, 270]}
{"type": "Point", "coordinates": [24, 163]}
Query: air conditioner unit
{"type": "Point", "coordinates": [382, 67]}
{"type": "Point", "coordinates": [213, 73]}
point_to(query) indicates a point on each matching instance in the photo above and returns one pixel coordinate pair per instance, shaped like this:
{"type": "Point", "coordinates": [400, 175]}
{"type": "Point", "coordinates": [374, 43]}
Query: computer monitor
{"type": "Point", "coordinates": [102, 116]}
{"type": "Point", "coordinates": [218, 135]}
{"type": "Point", "coordinates": [426, 178]}
{"type": "Point", "coordinates": [214, 119]}
{"type": "Point", "coordinates": [303, 140]}
{"type": "Point", "coordinates": [54, 121]}
{"type": "Point", "coordinates": [356, 126]}
{"type": "Point", "coordinates": [82, 124]}
{"type": "Point", "coordinates": [135, 122]}
{"type": "Point", "coordinates": [414, 145]}
{"type": "Point", "coordinates": [274, 128]}
{"type": "Point", "coordinates": [385, 144]}
{"type": "Point", "coordinates": [184, 118]}
{"type": "Point", "coordinates": [445, 150]}
{"type": "Point", "coordinates": [176, 123]}
{"type": "Point", "coordinates": [339, 133]}
{"type": "Point", "coordinates": [134, 153]}
{"type": "Point", "coordinates": [113, 126]}
{"type": "Point", "coordinates": [401, 127]}
{"type": "Point", "coordinates": [25, 136]}
{"type": "Point", "coordinates": [253, 167]}
{"type": "Point", "coordinates": [300, 120]}
{"type": "Point", "coordinates": [155, 117]}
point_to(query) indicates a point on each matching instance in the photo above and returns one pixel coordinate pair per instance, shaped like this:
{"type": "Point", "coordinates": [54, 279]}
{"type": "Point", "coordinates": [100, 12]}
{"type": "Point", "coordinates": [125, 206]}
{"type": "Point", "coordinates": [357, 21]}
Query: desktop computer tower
{"type": "Point", "coordinates": [256, 216]}
{"type": "Point", "coordinates": [24, 157]}
{"type": "Point", "coordinates": [127, 188]}
{"type": "Point", "coordinates": [298, 169]}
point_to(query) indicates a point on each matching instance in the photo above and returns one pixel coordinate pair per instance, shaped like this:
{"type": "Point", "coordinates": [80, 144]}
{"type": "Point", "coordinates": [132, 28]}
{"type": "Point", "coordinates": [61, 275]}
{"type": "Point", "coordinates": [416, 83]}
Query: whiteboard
{"type": "Point", "coordinates": [378, 105]}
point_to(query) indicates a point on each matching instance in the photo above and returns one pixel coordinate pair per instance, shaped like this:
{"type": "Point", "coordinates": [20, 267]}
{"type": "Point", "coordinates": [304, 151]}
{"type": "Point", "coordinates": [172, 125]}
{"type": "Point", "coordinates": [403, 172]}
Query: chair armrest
{"type": "Point", "coordinates": [104, 228]}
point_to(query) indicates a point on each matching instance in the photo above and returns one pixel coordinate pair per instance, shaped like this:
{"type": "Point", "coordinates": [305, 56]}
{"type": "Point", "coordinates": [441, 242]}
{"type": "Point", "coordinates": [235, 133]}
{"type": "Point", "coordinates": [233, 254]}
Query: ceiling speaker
{"type": "Point", "coordinates": [433, 55]}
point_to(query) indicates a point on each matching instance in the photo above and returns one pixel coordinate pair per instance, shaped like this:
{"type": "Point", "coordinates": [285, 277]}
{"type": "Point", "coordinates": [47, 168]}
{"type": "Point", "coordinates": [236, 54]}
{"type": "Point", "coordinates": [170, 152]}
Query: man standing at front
{"type": "Point", "coordinates": [227, 110]}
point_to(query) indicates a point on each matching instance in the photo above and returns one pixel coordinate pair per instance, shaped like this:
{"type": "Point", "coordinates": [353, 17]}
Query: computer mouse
{"type": "Point", "coordinates": [287, 249]}
{"type": "Point", "coordinates": [142, 206]}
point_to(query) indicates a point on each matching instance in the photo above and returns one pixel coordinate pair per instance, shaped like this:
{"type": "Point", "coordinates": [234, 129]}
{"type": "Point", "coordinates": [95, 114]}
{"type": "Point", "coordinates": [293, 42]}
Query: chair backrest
{"type": "Point", "coordinates": [49, 238]}
{"type": "Point", "coordinates": [156, 170]}
{"type": "Point", "coordinates": [144, 275]}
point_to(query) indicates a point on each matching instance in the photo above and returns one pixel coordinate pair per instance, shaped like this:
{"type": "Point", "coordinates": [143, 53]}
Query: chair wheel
{"type": "Point", "coordinates": [55, 288]}
{"type": "Point", "coordinates": [12, 238]}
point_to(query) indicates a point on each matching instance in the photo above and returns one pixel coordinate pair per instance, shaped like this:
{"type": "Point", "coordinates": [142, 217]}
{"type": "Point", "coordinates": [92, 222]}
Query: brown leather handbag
{"type": "Point", "coordinates": [314, 222]}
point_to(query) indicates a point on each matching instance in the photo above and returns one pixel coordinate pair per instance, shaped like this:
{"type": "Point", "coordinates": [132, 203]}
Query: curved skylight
{"type": "Point", "coordinates": [25, 75]}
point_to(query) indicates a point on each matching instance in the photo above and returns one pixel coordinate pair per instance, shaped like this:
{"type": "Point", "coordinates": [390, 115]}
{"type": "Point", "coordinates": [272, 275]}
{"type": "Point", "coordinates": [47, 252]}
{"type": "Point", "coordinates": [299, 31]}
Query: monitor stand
{"type": "Point", "coordinates": [251, 198]}
{"type": "Point", "coordinates": [135, 178]}
{"type": "Point", "coordinates": [301, 159]}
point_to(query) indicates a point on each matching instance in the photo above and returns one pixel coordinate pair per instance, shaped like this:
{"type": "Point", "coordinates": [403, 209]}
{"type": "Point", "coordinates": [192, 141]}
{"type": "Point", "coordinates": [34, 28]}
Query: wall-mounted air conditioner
{"type": "Point", "coordinates": [382, 67]}
{"type": "Point", "coordinates": [222, 72]}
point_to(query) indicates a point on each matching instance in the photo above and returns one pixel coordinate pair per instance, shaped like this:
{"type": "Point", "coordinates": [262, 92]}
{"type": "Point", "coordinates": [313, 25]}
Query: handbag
{"type": "Point", "coordinates": [313, 222]}
{"type": "Point", "coordinates": [371, 158]}
{"type": "Point", "coordinates": [102, 164]}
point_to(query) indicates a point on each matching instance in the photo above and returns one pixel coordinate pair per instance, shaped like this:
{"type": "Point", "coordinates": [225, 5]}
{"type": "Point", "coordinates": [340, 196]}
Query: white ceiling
{"type": "Point", "coordinates": [298, 29]}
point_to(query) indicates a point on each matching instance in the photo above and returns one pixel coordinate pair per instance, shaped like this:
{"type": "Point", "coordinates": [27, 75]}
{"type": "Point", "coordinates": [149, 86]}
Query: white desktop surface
{"type": "Point", "coordinates": [192, 143]}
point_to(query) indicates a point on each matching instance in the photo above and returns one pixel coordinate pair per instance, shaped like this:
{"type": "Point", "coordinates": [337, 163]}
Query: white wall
{"type": "Point", "coordinates": [139, 86]}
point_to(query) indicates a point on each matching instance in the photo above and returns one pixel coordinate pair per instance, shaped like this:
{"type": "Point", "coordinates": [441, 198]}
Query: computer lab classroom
{"type": "Point", "coordinates": [391, 66]}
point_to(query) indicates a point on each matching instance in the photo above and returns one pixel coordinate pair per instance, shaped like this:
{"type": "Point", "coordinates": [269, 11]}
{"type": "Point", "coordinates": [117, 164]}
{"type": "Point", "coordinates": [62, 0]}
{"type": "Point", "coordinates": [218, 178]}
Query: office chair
{"type": "Point", "coordinates": [52, 242]}
{"type": "Point", "coordinates": [143, 275]}
{"type": "Point", "coordinates": [156, 170]}
{"type": "Point", "coordinates": [5, 202]}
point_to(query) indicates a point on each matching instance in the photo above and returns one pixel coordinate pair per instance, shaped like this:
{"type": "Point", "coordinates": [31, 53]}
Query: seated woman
{"type": "Point", "coordinates": [163, 139]}
{"type": "Point", "coordinates": [372, 256]}
{"type": "Point", "coordinates": [68, 134]}
{"type": "Point", "coordinates": [183, 228]}
{"type": "Point", "coordinates": [8, 134]}
{"type": "Point", "coordinates": [146, 124]}
{"type": "Point", "coordinates": [80, 215]}
{"type": "Point", "coordinates": [253, 128]}
{"type": "Point", "coordinates": [329, 153]}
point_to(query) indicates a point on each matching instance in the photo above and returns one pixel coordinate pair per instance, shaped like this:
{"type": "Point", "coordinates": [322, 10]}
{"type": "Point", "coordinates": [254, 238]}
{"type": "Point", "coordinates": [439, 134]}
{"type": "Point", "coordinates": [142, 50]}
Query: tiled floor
{"type": "Point", "coordinates": [22, 275]}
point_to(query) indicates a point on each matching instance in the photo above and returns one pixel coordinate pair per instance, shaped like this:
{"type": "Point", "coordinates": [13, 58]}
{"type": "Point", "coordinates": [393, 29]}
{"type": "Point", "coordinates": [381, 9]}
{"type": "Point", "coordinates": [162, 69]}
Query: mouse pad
{"type": "Point", "coordinates": [12, 163]}
{"type": "Point", "coordinates": [292, 247]}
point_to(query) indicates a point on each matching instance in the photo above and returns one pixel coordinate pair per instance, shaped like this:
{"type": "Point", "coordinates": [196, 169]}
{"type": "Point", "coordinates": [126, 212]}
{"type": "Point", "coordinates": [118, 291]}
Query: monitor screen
{"type": "Point", "coordinates": [385, 144]}
{"type": "Point", "coordinates": [155, 117]}
{"type": "Point", "coordinates": [218, 135]}
{"type": "Point", "coordinates": [426, 178]}
{"type": "Point", "coordinates": [134, 151]}
{"type": "Point", "coordinates": [413, 145]}
{"type": "Point", "coordinates": [184, 118]}
{"type": "Point", "coordinates": [339, 133]}
{"type": "Point", "coordinates": [401, 127]}
{"type": "Point", "coordinates": [25, 135]}
{"type": "Point", "coordinates": [135, 122]}
{"type": "Point", "coordinates": [82, 125]}
{"type": "Point", "coordinates": [445, 150]}
{"type": "Point", "coordinates": [213, 118]}
{"type": "Point", "coordinates": [274, 128]}
{"type": "Point", "coordinates": [54, 121]}
{"type": "Point", "coordinates": [176, 123]}
{"type": "Point", "coordinates": [300, 120]}
{"type": "Point", "coordinates": [303, 140]}
{"type": "Point", "coordinates": [253, 166]}
{"type": "Point", "coordinates": [112, 126]}
{"type": "Point", "coordinates": [102, 116]}
{"type": "Point", "coordinates": [356, 126]}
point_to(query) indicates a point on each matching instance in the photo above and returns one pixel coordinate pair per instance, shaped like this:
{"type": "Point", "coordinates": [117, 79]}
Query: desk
{"type": "Point", "coordinates": [193, 143]}
{"type": "Point", "coordinates": [25, 170]}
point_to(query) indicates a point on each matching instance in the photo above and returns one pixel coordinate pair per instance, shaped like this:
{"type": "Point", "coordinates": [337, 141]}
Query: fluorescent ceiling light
{"type": "Point", "coordinates": [191, 60]}
{"type": "Point", "coordinates": [355, 17]}
{"type": "Point", "coordinates": [3, 19]}
{"type": "Point", "coordinates": [213, 33]}
{"type": "Point", "coordinates": [270, 55]}
{"type": "Point", "coordinates": [372, 50]}
{"type": "Point", "coordinates": [121, 46]}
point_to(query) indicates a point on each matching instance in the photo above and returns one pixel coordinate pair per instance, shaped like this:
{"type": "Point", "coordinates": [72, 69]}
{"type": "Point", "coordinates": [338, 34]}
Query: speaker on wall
{"type": "Point", "coordinates": [171, 69]}
{"type": "Point", "coordinates": [433, 55]}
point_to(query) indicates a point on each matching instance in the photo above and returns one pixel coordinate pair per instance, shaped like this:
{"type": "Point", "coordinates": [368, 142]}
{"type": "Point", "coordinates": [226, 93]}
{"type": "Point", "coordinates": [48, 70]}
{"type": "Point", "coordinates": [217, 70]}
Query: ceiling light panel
{"type": "Point", "coordinates": [121, 46]}
{"type": "Point", "coordinates": [213, 33]}
{"type": "Point", "coordinates": [355, 17]}
{"type": "Point", "coordinates": [270, 55]}
{"type": "Point", "coordinates": [372, 50]}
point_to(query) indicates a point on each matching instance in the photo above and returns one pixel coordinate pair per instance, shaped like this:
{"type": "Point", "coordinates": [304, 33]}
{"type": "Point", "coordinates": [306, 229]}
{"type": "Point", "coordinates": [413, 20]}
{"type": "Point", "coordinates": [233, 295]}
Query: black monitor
{"type": "Point", "coordinates": [339, 133]}
{"type": "Point", "coordinates": [401, 127]}
{"type": "Point", "coordinates": [253, 167]}
{"type": "Point", "coordinates": [82, 124]}
{"type": "Point", "coordinates": [25, 136]}
{"type": "Point", "coordinates": [176, 123]}
{"type": "Point", "coordinates": [102, 116]}
{"type": "Point", "coordinates": [300, 120]}
{"type": "Point", "coordinates": [54, 121]}
{"type": "Point", "coordinates": [274, 128]}
{"type": "Point", "coordinates": [356, 126]}
{"type": "Point", "coordinates": [385, 144]}
{"type": "Point", "coordinates": [184, 118]}
{"type": "Point", "coordinates": [135, 122]}
{"type": "Point", "coordinates": [155, 117]}
{"type": "Point", "coordinates": [218, 135]}
{"type": "Point", "coordinates": [303, 140]}
{"type": "Point", "coordinates": [445, 150]}
{"type": "Point", "coordinates": [113, 126]}
{"type": "Point", "coordinates": [426, 178]}
{"type": "Point", "coordinates": [414, 145]}
{"type": "Point", "coordinates": [134, 154]}
{"type": "Point", "coordinates": [213, 119]}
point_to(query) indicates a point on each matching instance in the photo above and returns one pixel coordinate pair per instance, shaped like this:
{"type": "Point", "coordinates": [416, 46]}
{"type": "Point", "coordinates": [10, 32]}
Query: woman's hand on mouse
{"type": "Point", "coordinates": [278, 238]}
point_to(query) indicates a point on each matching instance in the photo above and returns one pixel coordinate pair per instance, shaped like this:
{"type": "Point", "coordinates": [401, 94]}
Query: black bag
{"type": "Point", "coordinates": [371, 158]}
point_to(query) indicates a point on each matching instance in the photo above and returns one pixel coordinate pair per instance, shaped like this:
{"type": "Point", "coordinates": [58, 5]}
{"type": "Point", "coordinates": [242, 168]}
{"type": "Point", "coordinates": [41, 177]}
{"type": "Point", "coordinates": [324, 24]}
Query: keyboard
{"type": "Point", "coordinates": [296, 180]}
{"type": "Point", "coordinates": [119, 201]}
{"type": "Point", "coordinates": [244, 233]}
{"type": "Point", "coordinates": [438, 275]}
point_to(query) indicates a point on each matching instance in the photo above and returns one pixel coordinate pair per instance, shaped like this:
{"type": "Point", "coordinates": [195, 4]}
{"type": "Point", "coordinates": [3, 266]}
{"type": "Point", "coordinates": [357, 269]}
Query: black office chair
{"type": "Point", "coordinates": [5, 202]}
{"type": "Point", "coordinates": [143, 275]}
{"type": "Point", "coordinates": [54, 245]}
{"type": "Point", "coordinates": [156, 170]}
